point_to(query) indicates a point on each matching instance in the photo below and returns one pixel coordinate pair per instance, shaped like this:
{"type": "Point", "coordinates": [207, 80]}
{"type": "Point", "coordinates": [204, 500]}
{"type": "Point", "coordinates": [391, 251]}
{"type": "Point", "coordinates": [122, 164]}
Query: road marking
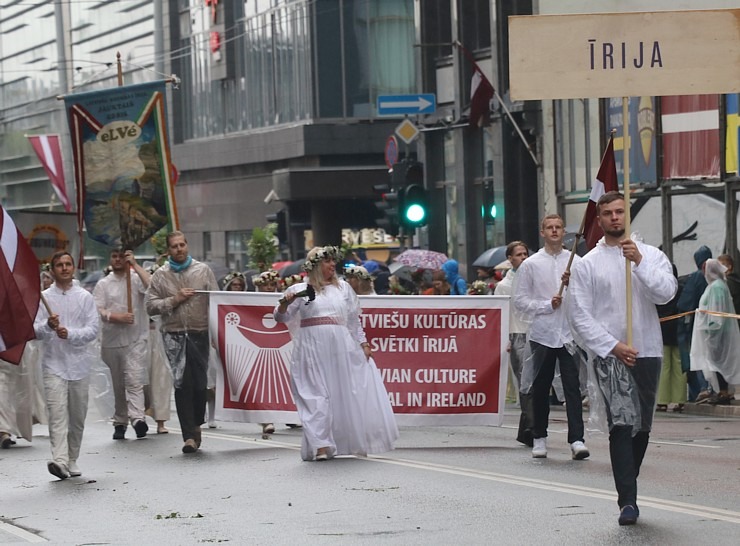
{"type": "Point", "coordinates": [20, 533]}
{"type": "Point", "coordinates": [656, 442]}
{"type": "Point", "coordinates": [654, 502]}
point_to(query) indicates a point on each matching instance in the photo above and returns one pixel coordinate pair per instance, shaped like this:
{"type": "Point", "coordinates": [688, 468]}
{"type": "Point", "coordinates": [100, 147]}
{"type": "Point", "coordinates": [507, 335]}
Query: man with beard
{"type": "Point", "coordinates": [124, 341]}
{"type": "Point", "coordinates": [177, 293]}
{"type": "Point", "coordinates": [627, 375]}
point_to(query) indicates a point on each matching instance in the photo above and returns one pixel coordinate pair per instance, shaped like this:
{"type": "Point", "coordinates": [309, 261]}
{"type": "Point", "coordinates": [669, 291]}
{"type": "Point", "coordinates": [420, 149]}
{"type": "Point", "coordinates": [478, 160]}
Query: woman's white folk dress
{"type": "Point", "coordinates": [339, 393]}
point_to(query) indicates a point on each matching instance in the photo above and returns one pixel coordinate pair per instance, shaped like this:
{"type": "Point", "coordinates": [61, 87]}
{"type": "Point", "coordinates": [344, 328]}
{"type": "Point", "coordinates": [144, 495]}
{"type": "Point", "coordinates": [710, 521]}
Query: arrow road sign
{"type": "Point", "coordinates": [398, 105]}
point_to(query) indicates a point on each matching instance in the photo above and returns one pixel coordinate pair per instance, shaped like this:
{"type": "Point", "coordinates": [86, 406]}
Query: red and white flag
{"type": "Point", "coordinates": [20, 290]}
{"type": "Point", "coordinates": [48, 149]}
{"type": "Point", "coordinates": [481, 93]}
{"type": "Point", "coordinates": [606, 181]}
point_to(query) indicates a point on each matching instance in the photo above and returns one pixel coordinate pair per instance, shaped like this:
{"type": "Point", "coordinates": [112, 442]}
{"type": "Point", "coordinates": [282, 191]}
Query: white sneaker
{"type": "Point", "coordinates": [579, 451]}
{"type": "Point", "coordinates": [74, 470]}
{"type": "Point", "coordinates": [539, 451]}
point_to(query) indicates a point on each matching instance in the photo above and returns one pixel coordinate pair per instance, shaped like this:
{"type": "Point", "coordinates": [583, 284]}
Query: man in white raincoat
{"type": "Point", "coordinates": [627, 376]}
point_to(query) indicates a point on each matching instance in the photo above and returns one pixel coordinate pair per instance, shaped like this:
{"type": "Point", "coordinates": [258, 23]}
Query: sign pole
{"type": "Point", "coordinates": [626, 170]}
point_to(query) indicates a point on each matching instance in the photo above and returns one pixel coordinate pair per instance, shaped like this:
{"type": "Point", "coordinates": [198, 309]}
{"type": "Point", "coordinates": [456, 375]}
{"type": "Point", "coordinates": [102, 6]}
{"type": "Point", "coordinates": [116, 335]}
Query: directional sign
{"type": "Point", "coordinates": [398, 105]}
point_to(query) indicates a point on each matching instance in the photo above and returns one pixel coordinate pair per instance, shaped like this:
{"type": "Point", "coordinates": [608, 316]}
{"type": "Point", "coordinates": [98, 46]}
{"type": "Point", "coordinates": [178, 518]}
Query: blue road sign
{"type": "Point", "coordinates": [398, 105]}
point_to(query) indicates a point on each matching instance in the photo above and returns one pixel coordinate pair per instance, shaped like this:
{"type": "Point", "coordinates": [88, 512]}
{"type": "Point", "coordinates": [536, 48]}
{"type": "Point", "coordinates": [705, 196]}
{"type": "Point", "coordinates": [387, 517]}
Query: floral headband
{"type": "Point", "coordinates": [359, 272]}
{"type": "Point", "coordinates": [234, 275]}
{"type": "Point", "coordinates": [290, 280]}
{"type": "Point", "coordinates": [266, 277]}
{"type": "Point", "coordinates": [326, 253]}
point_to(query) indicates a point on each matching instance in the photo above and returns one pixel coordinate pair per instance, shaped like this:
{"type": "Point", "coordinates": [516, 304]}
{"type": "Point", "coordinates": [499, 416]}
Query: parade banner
{"type": "Point", "coordinates": [442, 358]}
{"type": "Point", "coordinates": [122, 163]}
{"type": "Point", "coordinates": [48, 232]}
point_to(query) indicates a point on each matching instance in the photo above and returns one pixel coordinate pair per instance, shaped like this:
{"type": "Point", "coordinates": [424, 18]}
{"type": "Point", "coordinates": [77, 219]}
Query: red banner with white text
{"type": "Point", "coordinates": [440, 357]}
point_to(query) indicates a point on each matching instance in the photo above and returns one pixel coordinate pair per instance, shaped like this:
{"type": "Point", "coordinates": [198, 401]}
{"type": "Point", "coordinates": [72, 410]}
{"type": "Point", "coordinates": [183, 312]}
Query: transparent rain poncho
{"type": "Point", "coordinates": [715, 342]}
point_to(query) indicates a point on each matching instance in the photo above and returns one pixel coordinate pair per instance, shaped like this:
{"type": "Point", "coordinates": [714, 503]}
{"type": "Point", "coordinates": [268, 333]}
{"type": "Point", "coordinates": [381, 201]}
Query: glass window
{"type": "Point", "coordinates": [236, 250]}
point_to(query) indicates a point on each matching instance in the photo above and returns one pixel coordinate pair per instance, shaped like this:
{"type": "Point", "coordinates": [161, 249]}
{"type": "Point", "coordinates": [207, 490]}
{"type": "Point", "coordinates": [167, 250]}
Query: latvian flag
{"type": "Point", "coordinates": [20, 290]}
{"type": "Point", "coordinates": [48, 150]}
{"type": "Point", "coordinates": [606, 181]}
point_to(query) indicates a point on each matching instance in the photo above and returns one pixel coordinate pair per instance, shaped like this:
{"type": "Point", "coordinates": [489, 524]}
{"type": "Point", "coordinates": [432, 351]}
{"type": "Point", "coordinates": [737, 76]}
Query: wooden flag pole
{"type": "Point", "coordinates": [46, 304]}
{"type": "Point", "coordinates": [626, 169]}
{"type": "Point", "coordinates": [573, 250]}
{"type": "Point", "coordinates": [128, 267]}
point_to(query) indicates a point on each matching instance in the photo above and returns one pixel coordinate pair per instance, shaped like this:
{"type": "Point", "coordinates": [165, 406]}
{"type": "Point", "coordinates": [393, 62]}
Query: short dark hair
{"type": "Point", "coordinates": [607, 198]}
{"type": "Point", "coordinates": [58, 255]}
{"type": "Point", "coordinates": [175, 233]}
{"type": "Point", "coordinates": [512, 245]}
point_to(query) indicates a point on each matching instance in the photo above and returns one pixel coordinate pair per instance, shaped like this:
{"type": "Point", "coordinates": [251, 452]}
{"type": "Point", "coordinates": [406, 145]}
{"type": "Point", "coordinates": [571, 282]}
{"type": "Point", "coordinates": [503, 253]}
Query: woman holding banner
{"type": "Point", "coordinates": [338, 391]}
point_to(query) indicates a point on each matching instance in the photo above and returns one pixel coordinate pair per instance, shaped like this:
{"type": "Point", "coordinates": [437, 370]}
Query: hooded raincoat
{"type": "Point", "coordinates": [716, 340]}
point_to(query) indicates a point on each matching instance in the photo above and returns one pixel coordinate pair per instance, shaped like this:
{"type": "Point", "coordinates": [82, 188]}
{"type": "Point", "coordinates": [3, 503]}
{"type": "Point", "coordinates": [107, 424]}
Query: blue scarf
{"type": "Point", "coordinates": [179, 268]}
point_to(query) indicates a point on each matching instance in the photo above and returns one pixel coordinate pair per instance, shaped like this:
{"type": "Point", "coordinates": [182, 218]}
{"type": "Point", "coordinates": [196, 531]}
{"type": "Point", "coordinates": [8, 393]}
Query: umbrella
{"type": "Point", "coordinates": [491, 257]}
{"type": "Point", "coordinates": [219, 269]}
{"type": "Point", "coordinates": [277, 266]}
{"type": "Point", "coordinates": [570, 238]}
{"type": "Point", "coordinates": [295, 268]}
{"type": "Point", "coordinates": [401, 271]}
{"type": "Point", "coordinates": [421, 259]}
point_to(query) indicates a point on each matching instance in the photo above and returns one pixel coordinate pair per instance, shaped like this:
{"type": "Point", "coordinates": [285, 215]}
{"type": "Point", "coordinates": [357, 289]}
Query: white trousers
{"type": "Point", "coordinates": [66, 402]}
{"type": "Point", "coordinates": [128, 374]}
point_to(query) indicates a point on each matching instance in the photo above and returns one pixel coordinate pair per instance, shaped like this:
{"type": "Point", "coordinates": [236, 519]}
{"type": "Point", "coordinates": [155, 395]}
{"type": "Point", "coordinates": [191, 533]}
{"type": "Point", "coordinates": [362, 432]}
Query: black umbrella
{"type": "Point", "coordinates": [570, 238]}
{"type": "Point", "coordinates": [491, 257]}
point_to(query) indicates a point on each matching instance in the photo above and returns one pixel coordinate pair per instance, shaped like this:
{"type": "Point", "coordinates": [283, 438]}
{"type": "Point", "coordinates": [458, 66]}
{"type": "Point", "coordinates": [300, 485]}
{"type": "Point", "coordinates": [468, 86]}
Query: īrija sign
{"type": "Point", "coordinates": [624, 54]}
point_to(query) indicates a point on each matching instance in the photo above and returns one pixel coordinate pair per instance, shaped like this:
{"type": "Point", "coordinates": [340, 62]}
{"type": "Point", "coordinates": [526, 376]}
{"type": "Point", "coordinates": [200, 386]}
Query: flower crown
{"type": "Point", "coordinates": [325, 253]}
{"type": "Point", "coordinates": [266, 277]}
{"type": "Point", "coordinates": [290, 280]}
{"type": "Point", "coordinates": [359, 272]}
{"type": "Point", "coordinates": [234, 275]}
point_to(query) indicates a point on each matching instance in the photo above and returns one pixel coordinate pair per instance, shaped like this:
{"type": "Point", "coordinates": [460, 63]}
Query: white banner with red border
{"type": "Point", "coordinates": [442, 358]}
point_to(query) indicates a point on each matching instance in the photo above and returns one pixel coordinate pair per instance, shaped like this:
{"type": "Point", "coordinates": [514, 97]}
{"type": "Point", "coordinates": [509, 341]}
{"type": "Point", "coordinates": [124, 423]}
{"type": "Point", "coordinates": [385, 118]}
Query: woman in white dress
{"type": "Point", "coordinates": [340, 396]}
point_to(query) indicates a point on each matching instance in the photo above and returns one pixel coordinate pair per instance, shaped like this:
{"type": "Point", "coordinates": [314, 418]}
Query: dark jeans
{"type": "Point", "coordinates": [544, 359]}
{"type": "Point", "coordinates": [190, 397]}
{"type": "Point", "coordinates": [627, 451]}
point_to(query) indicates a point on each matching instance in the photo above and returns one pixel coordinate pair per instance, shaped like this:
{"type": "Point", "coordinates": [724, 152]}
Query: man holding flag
{"type": "Point", "coordinates": [627, 375]}
{"type": "Point", "coordinates": [71, 326]}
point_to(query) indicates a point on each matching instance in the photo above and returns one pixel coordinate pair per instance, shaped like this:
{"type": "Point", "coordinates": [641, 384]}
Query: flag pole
{"type": "Point", "coordinates": [129, 305]}
{"type": "Point", "coordinates": [573, 251]}
{"type": "Point", "coordinates": [46, 304]}
{"type": "Point", "coordinates": [626, 185]}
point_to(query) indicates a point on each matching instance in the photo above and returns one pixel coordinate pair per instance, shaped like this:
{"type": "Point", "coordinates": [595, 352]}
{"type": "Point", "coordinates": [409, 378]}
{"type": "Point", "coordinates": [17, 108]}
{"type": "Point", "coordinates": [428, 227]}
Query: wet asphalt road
{"type": "Point", "coordinates": [442, 485]}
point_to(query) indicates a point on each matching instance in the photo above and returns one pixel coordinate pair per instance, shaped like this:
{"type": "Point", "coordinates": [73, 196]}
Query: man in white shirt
{"type": "Point", "coordinates": [124, 340]}
{"type": "Point", "coordinates": [537, 295]}
{"type": "Point", "coordinates": [627, 375]}
{"type": "Point", "coordinates": [516, 253]}
{"type": "Point", "coordinates": [66, 363]}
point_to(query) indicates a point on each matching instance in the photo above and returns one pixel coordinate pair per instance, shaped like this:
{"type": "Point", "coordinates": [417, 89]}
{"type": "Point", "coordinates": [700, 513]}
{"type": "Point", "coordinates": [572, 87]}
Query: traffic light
{"type": "Point", "coordinates": [413, 204]}
{"type": "Point", "coordinates": [414, 207]}
{"type": "Point", "coordinates": [488, 209]}
{"type": "Point", "coordinates": [387, 204]}
{"type": "Point", "coordinates": [281, 220]}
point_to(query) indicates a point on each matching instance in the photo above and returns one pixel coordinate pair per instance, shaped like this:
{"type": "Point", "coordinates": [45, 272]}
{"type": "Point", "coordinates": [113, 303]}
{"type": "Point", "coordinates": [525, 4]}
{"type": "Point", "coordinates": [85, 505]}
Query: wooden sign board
{"type": "Point", "coordinates": [624, 54]}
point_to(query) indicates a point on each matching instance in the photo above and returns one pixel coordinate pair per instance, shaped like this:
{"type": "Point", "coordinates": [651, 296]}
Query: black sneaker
{"type": "Point", "coordinates": [628, 515]}
{"type": "Point", "coordinates": [119, 433]}
{"type": "Point", "coordinates": [141, 428]}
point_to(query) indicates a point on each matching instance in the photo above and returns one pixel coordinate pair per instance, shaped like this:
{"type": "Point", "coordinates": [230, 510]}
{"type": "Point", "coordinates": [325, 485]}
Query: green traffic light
{"type": "Point", "coordinates": [493, 211]}
{"type": "Point", "coordinates": [415, 213]}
